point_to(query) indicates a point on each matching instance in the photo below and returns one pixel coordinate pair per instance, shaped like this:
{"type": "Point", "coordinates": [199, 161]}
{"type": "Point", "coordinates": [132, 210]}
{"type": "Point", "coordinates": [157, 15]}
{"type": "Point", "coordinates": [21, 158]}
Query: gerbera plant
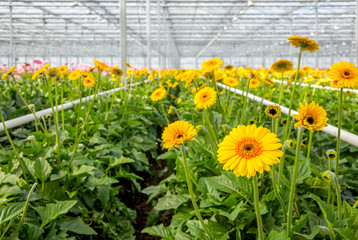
{"type": "Point", "coordinates": [304, 44]}
{"type": "Point", "coordinates": [344, 74]}
{"type": "Point", "coordinates": [312, 117]}
{"type": "Point", "coordinates": [175, 135]}
{"type": "Point", "coordinates": [248, 150]}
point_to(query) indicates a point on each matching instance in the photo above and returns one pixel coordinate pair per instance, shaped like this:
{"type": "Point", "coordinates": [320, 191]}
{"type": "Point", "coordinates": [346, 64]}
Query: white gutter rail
{"type": "Point", "coordinates": [318, 86]}
{"type": "Point", "coordinates": [30, 117]}
{"type": "Point", "coordinates": [332, 130]}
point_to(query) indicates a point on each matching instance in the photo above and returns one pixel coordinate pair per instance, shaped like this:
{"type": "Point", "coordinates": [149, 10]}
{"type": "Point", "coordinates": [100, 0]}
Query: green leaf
{"type": "Point", "coordinates": [300, 222]}
{"type": "Point", "coordinates": [83, 169]}
{"type": "Point", "coordinates": [153, 191]}
{"type": "Point", "coordinates": [77, 226]}
{"type": "Point", "coordinates": [33, 232]}
{"type": "Point", "coordinates": [42, 169]}
{"type": "Point", "coordinates": [171, 201]}
{"type": "Point", "coordinates": [141, 157]}
{"type": "Point", "coordinates": [240, 207]}
{"type": "Point", "coordinates": [10, 211]}
{"type": "Point", "coordinates": [274, 235]}
{"type": "Point", "coordinates": [168, 155]}
{"type": "Point", "coordinates": [97, 139]}
{"type": "Point", "coordinates": [159, 231]}
{"type": "Point", "coordinates": [121, 160]}
{"type": "Point", "coordinates": [304, 171]}
{"type": "Point", "coordinates": [53, 210]}
{"type": "Point", "coordinates": [95, 182]}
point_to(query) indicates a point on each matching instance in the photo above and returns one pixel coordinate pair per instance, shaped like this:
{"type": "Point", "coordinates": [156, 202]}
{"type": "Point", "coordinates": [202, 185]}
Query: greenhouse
{"type": "Point", "coordinates": [179, 119]}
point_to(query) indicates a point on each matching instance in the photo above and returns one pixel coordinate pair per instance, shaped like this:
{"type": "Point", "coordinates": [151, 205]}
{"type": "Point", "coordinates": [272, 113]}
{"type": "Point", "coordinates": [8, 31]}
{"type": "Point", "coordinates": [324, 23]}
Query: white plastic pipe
{"type": "Point", "coordinates": [319, 86]}
{"type": "Point", "coordinates": [332, 130]}
{"type": "Point", "coordinates": [30, 117]}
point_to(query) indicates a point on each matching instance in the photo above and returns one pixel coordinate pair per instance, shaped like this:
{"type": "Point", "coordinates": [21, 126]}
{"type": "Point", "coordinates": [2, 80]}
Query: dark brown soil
{"type": "Point", "coordinates": [141, 205]}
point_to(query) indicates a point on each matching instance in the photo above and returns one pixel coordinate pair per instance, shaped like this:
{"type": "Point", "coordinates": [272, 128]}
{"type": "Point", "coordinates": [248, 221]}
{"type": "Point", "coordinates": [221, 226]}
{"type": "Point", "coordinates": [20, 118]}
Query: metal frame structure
{"type": "Point", "coordinates": [176, 33]}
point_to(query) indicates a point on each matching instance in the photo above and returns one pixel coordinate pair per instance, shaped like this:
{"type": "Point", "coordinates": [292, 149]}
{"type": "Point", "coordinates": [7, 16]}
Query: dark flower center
{"type": "Point", "coordinates": [310, 120]}
{"type": "Point", "coordinates": [346, 73]}
{"type": "Point", "coordinates": [273, 111]}
{"type": "Point", "coordinates": [331, 155]}
{"type": "Point", "coordinates": [204, 96]}
{"type": "Point", "coordinates": [179, 135]}
{"type": "Point", "coordinates": [248, 146]}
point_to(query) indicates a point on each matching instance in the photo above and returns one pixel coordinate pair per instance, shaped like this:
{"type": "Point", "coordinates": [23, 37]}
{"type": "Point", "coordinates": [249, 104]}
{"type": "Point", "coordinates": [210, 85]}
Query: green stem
{"type": "Point", "coordinates": [257, 209]}
{"type": "Point", "coordinates": [309, 146]}
{"type": "Point", "coordinates": [62, 110]}
{"type": "Point", "coordinates": [165, 114]}
{"type": "Point", "coordinates": [83, 127]}
{"type": "Point", "coordinates": [356, 204]}
{"type": "Point", "coordinates": [25, 209]}
{"type": "Point", "coordinates": [190, 188]}
{"type": "Point", "coordinates": [293, 183]}
{"type": "Point", "coordinates": [210, 126]}
{"type": "Point", "coordinates": [54, 115]}
{"type": "Point", "coordinates": [245, 104]}
{"type": "Point", "coordinates": [339, 200]}
{"type": "Point", "coordinates": [23, 166]}
{"type": "Point", "coordinates": [219, 101]}
{"type": "Point", "coordinates": [285, 135]}
{"type": "Point", "coordinates": [339, 131]}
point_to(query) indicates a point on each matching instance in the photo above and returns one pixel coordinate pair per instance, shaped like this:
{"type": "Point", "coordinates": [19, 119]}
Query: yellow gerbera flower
{"type": "Point", "coordinates": [311, 116]}
{"type": "Point", "coordinates": [158, 94]}
{"type": "Point", "coordinates": [101, 65]}
{"type": "Point", "coordinates": [177, 133]}
{"type": "Point", "coordinates": [89, 82]}
{"type": "Point", "coordinates": [254, 83]}
{"type": "Point", "coordinates": [249, 149]}
{"type": "Point", "coordinates": [345, 74]}
{"type": "Point", "coordinates": [74, 75]}
{"type": "Point", "coordinates": [205, 98]}
{"type": "Point", "coordinates": [304, 43]}
{"type": "Point", "coordinates": [231, 81]}
{"type": "Point", "coordinates": [212, 64]}
{"type": "Point", "coordinates": [8, 72]}
{"type": "Point", "coordinates": [282, 65]}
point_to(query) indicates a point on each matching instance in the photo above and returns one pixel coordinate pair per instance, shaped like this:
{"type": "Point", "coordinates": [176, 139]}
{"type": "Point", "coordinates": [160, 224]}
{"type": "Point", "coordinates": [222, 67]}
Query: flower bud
{"type": "Point", "coordinates": [289, 144]}
{"type": "Point", "coordinates": [331, 154]}
{"type": "Point", "coordinates": [48, 116]}
{"type": "Point", "coordinates": [328, 176]}
{"type": "Point", "coordinates": [31, 107]}
{"type": "Point", "coordinates": [171, 110]}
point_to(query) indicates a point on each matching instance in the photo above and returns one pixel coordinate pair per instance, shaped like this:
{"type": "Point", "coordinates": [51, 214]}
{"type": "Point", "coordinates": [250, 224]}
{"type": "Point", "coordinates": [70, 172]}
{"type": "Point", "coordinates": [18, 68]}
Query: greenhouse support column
{"type": "Point", "coordinates": [11, 62]}
{"type": "Point", "coordinates": [123, 29]}
{"type": "Point", "coordinates": [332, 51]}
{"type": "Point", "coordinates": [159, 40]}
{"type": "Point", "coordinates": [66, 43]}
{"type": "Point", "coordinates": [44, 47]}
{"type": "Point", "coordinates": [196, 63]}
{"type": "Point", "coordinates": [316, 34]}
{"type": "Point", "coordinates": [357, 32]}
{"type": "Point", "coordinates": [149, 63]}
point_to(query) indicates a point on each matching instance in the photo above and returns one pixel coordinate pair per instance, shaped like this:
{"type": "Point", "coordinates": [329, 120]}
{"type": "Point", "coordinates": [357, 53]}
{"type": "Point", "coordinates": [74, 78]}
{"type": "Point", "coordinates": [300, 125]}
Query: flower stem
{"type": "Point", "coordinates": [190, 188]}
{"type": "Point", "coordinates": [62, 110]}
{"type": "Point", "coordinates": [293, 183]}
{"type": "Point", "coordinates": [339, 201]}
{"type": "Point", "coordinates": [245, 103]}
{"type": "Point", "coordinates": [339, 131]}
{"type": "Point", "coordinates": [286, 135]}
{"type": "Point", "coordinates": [25, 209]}
{"type": "Point", "coordinates": [257, 209]}
{"type": "Point", "coordinates": [23, 166]}
{"type": "Point", "coordinates": [165, 114]}
{"type": "Point", "coordinates": [309, 146]}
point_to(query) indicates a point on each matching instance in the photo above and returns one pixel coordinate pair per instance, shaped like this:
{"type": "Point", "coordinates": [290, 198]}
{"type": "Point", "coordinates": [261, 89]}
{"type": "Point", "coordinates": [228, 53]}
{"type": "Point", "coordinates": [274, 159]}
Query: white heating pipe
{"type": "Point", "coordinates": [319, 86]}
{"type": "Point", "coordinates": [332, 130]}
{"type": "Point", "coordinates": [30, 117]}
